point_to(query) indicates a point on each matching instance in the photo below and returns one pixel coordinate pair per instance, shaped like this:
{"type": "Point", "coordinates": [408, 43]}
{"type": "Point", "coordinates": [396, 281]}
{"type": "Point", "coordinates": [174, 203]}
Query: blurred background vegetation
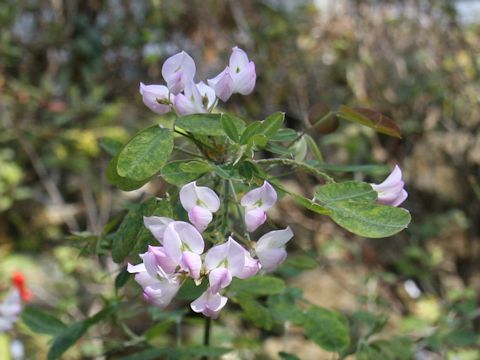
{"type": "Point", "coordinates": [69, 76]}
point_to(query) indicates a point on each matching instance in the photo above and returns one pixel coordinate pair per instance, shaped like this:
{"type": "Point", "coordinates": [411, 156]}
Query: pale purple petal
{"type": "Point", "coordinates": [401, 198]}
{"type": "Point", "coordinates": [188, 196]}
{"type": "Point", "coordinates": [172, 242]}
{"type": "Point", "coordinates": [144, 280]}
{"type": "Point", "coordinates": [178, 70]}
{"type": "Point", "coordinates": [274, 239]}
{"type": "Point", "coordinates": [235, 257]}
{"type": "Point", "coordinates": [167, 264]}
{"type": "Point", "coordinates": [156, 225]}
{"type": "Point", "coordinates": [192, 263]}
{"type": "Point", "coordinates": [192, 195]}
{"type": "Point", "coordinates": [215, 256]}
{"type": "Point", "coordinates": [222, 84]}
{"type": "Point", "coordinates": [190, 237]}
{"type": "Point", "coordinates": [271, 258]}
{"type": "Point", "coordinates": [219, 278]}
{"type": "Point", "coordinates": [161, 293]}
{"type": "Point", "coordinates": [150, 263]}
{"type": "Point", "coordinates": [200, 217]}
{"type": "Point", "coordinates": [252, 266]}
{"type": "Point", "coordinates": [238, 60]}
{"type": "Point", "coordinates": [133, 269]}
{"type": "Point", "coordinates": [263, 197]}
{"type": "Point", "coordinates": [153, 95]}
{"type": "Point", "coordinates": [208, 95]}
{"type": "Point", "coordinates": [183, 106]}
{"type": "Point", "coordinates": [244, 81]}
{"type": "Point", "coordinates": [254, 218]}
{"type": "Point", "coordinates": [209, 304]}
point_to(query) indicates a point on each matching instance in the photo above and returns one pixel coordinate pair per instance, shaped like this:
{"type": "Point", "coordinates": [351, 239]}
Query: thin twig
{"type": "Point", "coordinates": [290, 162]}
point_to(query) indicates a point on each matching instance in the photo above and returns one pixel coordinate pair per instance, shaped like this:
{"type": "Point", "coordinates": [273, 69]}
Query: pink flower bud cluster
{"type": "Point", "coordinates": [186, 96]}
{"type": "Point", "coordinates": [181, 251]}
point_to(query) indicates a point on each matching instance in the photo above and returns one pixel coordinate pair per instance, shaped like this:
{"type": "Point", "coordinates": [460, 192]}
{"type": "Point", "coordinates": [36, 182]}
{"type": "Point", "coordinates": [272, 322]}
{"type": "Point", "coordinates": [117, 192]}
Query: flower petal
{"type": "Point", "coordinates": [200, 217]}
{"type": "Point", "coordinates": [178, 70]}
{"type": "Point", "coordinates": [254, 218]}
{"type": "Point", "coordinates": [219, 278]}
{"type": "Point", "coordinates": [271, 258]}
{"type": "Point", "coordinates": [238, 60]}
{"type": "Point", "coordinates": [244, 81]}
{"type": "Point", "coordinates": [274, 239]}
{"type": "Point", "coordinates": [215, 256]}
{"type": "Point", "coordinates": [222, 84]}
{"type": "Point", "coordinates": [152, 95]}
{"type": "Point", "coordinates": [156, 225]}
{"type": "Point", "coordinates": [263, 197]}
{"type": "Point", "coordinates": [235, 257]}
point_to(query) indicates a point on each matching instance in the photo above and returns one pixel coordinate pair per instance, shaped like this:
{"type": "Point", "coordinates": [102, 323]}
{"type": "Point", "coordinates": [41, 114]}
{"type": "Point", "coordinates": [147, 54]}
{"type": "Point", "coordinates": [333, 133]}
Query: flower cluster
{"type": "Point", "coordinates": [187, 97]}
{"type": "Point", "coordinates": [181, 251]}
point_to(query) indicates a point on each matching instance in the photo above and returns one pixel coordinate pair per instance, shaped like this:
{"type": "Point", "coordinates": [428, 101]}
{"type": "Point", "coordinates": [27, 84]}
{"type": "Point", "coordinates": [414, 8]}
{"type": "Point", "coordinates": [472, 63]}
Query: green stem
{"type": "Point", "coordinates": [224, 225]}
{"type": "Point", "coordinates": [187, 152]}
{"type": "Point", "coordinates": [303, 166]}
{"type": "Point", "coordinates": [240, 213]}
{"type": "Point", "coordinates": [206, 334]}
{"type": "Point", "coordinates": [322, 119]}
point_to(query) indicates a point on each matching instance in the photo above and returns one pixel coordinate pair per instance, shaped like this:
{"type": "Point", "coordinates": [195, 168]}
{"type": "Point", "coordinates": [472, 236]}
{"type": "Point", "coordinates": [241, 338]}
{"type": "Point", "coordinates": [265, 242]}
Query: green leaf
{"type": "Point", "coordinates": [208, 124]}
{"type": "Point", "coordinates": [229, 127]}
{"type": "Point", "coordinates": [287, 356]}
{"type": "Point", "coordinates": [271, 124]}
{"type": "Point", "coordinates": [351, 205]}
{"type": "Point", "coordinates": [180, 173]}
{"type": "Point", "coordinates": [326, 328]}
{"type": "Point", "coordinates": [258, 285]}
{"type": "Point", "coordinates": [41, 322]}
{"type": "Point", "coordinates": [111, 146]}
{"type": "Point", "coordinates": [256, 312]}
{"type": "Point", "coordinates": [312, 145]}
{"type": "Point", "coordinates": [249, 131]}
{"type": "Point", "coordinates": [121, 182]}
{"type": "Point", "coordinates": [66, 339]}
{"type": "Point", "coordinates": [284, 308]}
{"type": "Point", "coordinates": [72, 333]}
{"type": "Point", "coordinates": [146, 153]}
{"type": "Point", "coordinates": [127, 234]}
{"type": "Point", "coordinates": [370, 118]}
{"type": "Point", "coordinates": [285, 135]}
{"type": "Point", "coordinates": [301, 262]}
{"type": "Point", "coordinates": [309, 204]}
{"type": "Point", "coordinates": [349, 190]}
{"type": "Point", "coordinates": [122, 278]}
{"type": "Point", "coordinates": [369, 168]}
{"type": "Point", "coordinates": [190, 291]}
{"type": "Point", "coordinates": [190, 352]}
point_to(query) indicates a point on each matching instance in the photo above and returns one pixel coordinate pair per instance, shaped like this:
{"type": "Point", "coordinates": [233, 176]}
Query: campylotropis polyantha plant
{"type": "Point", "coordinates": [181, 254]}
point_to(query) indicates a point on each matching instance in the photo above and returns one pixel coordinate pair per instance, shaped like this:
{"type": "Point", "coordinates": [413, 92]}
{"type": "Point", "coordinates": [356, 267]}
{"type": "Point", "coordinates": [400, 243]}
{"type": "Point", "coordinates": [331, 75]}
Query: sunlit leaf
{"type": "Point", "coordinates": [370, 118]}
{"type": "Point", "coordinates": [326, 328]}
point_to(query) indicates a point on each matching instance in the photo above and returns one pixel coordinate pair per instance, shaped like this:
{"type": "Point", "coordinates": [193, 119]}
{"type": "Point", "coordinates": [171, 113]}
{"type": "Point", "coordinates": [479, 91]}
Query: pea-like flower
{"type": "Point", "coordinates": [200, 202]}
{"type": "Point", "coordinates": [157, 262]}
{"type": "Point", "coordinates": [178, 71]}
{"type": "Point", "coordinates": [198, 98]}
{"type": "Point", "coordinates": [158, 291]}
{"type": "Point", "coordinates": [238, 77]}
{"type": "Point", "coordinates": [223, 262]}
{"type": "Point", "coordinates": [156, 97]}
{"type": "Point", "coordinates": [391, 191]}
{"type": "Point", "coordinates": [209, 304]}
{"type": "Point", "coordinates": [184, 245]}
{"type": "Point", "coordinates": [270, 248]}
{"type": "Point", "coordinates": [157, 226]}
{"type": "Point", "coordinates": [256, 202]}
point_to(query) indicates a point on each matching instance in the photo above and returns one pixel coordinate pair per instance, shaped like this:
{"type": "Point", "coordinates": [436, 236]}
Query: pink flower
{"type": "Point", "coordinates": [158, 291]}
{"type": "Point", "coordinates": [270, 248]}
{"type": "Point", "coordinates": [391, 191]}
{"type": "Point", "coordinates": [200, 202]}
{"type": "Point", "coordinates": [256, 202]}
{"type": "Point", "coordinates": [238, 77]}
{"type": "Point", "coordinates": [209, 304]}
{"type": "Point", "coordinates": [223, 262]}
{"type": "Point", "coordinates": [178, 71]}
{"type": "Point", "coordinates": [157, 226]}
{"type": "Point", "coordinates": [198, 98]}
{"type": "Point", "coordinates": [184, 245]}
{"type": "Point", "coordinates": [157, 261]}
{"type": "Point", "coordinates": [156, 97]}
